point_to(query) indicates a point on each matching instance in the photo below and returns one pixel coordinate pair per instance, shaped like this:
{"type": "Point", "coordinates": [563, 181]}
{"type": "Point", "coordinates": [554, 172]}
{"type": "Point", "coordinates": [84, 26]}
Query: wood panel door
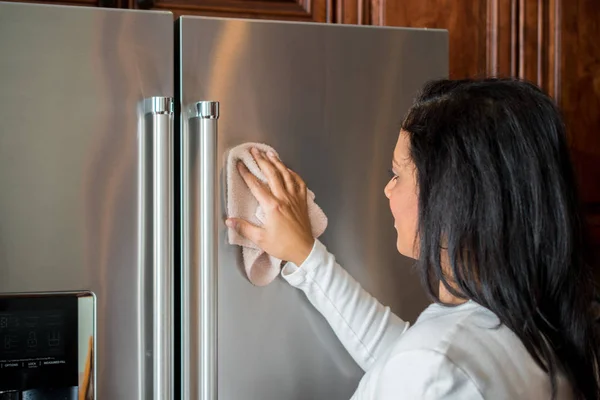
{"type": "Point", "coordinates": [578, 88]}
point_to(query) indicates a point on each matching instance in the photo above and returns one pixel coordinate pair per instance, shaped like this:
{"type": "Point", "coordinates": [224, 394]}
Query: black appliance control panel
{"type": "Point", "coordinates": [46, 345]}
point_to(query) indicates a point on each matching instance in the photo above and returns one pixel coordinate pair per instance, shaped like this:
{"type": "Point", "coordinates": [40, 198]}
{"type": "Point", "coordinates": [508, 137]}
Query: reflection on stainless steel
{"type": "Point", "coordinates": [87, 359]}
{"type": "Point", "coordinates": [157, 105]}
{"type": "Point", "coordinates": [330, 99]}
{"type": "Point", "coordinates": [190, 236]}
{"type": "Point", "coordinates": [200, 269]}
{"type": "Point", "coordinates": [206, 109]}
{"type": "Point", "coordinates": [68, 209]}
{"type": "Point", "coordinates": [156, 211]}
{"type": "Point", "coordinates": [41, 324]}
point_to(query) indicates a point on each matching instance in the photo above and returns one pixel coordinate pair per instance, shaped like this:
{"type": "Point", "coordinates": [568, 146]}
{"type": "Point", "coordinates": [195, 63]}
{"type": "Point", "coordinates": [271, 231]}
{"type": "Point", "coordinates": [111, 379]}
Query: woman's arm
{"type": "Point", "coordinates": [364, 326]}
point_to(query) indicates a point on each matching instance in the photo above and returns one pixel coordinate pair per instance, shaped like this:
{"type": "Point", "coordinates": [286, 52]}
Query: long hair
{"type": "Point", "coordinates": [497, 194]}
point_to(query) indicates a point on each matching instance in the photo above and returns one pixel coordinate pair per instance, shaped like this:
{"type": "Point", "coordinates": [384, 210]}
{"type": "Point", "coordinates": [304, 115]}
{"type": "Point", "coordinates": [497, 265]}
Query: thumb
{"type": "Point", "coordinates": [244, 228]}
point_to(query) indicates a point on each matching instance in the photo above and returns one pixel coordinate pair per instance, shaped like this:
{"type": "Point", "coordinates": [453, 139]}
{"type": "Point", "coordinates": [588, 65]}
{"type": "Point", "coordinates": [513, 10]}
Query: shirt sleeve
{"type": "Point", "coordinates": [364, 326]}
{"type": "Point", "coordinates": [422, 374]}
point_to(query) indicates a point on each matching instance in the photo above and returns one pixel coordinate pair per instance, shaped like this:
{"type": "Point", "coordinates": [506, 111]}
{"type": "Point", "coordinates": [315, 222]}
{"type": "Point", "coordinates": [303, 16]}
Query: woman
{"type": "Point", "coordinates": [483, 197]}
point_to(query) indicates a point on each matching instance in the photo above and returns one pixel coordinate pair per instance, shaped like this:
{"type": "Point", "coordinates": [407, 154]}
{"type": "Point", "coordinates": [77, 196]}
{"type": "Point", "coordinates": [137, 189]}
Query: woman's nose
{"type": "Point", "coordinates": [388, 189]}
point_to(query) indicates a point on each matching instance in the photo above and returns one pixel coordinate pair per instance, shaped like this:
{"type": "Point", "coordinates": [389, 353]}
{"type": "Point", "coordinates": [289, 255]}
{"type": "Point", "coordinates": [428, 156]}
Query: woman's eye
{"type": "Point", "coordinates": [392, 174]}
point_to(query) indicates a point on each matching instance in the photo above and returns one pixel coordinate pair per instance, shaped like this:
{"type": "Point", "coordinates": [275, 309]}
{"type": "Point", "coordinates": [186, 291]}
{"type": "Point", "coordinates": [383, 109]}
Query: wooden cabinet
{"type": "Point", "coordinates": [578, 92]}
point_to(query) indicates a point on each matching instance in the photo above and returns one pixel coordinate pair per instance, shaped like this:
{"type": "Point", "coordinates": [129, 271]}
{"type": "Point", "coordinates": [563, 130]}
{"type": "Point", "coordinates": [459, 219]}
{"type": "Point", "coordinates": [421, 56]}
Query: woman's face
{"type": "Point", "coordinates": [402, 192]}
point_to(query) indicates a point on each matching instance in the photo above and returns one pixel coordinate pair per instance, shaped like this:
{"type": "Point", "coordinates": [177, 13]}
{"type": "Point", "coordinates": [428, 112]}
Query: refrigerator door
{"type": "Point", "coordinates": [330, 100]}
{"type": "Point", "coordinates": [85, 178]}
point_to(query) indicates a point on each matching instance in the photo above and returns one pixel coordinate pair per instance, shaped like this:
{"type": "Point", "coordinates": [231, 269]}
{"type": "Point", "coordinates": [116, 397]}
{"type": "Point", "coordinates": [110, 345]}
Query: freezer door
{"type": "Point", "coordinates": [330, 100]}
{"type": "Point", "coordinates": [85, 200]}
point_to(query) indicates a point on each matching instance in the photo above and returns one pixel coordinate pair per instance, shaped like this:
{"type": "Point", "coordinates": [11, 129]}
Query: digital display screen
{"type": "Point", "coordinates": [38, 342]}
{"type": "Point", "coordinates": [34, 334]}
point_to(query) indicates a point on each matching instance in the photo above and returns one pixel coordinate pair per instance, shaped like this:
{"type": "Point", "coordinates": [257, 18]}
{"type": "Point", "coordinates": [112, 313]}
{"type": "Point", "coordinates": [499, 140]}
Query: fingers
{"type": "Point", "coordinates": [298, 181]}
{"type": "Point", "coordinates": [280, 178]}
{"type": "Point", "coordinates": [256, 187]}
{"type": "Point", "coordinates": [246, 229]}
{"type": "Point", "coordinates": [290, 183]}
{"type": "Point", "coordinates": [275, 180]}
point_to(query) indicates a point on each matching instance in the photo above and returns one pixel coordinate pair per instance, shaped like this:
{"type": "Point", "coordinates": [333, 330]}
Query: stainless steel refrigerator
{"type": "Point", "coordinates": [116, 277]}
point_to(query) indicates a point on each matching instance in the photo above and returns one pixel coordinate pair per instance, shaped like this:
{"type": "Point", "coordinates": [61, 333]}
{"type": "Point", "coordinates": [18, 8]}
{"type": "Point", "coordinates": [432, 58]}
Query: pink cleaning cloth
{"type": "Point", "coordinates": [260, 267]}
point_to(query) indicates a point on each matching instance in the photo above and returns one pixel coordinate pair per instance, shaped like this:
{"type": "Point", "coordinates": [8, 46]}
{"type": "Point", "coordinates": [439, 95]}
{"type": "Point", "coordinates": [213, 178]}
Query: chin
{"type": "Point", "coordinates": [403, 250]}
{"type": "Point", "coordinates": [406, 250]}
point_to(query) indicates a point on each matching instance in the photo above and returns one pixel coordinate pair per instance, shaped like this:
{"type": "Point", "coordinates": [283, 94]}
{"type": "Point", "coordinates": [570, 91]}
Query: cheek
{"type": "Point", "coordinates": [404, 206]}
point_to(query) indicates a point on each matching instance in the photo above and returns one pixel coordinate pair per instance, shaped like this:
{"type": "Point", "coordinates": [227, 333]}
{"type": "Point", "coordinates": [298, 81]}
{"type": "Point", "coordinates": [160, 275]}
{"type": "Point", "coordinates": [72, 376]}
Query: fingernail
{"type": "Point", "coordinates": [271, 154]}
{"type": "Point", "coordinates": [230, 223]}
{"type": "Point", "coordinates": [240, 164]}
{"type": "Point", "coordinates": [255, 151]}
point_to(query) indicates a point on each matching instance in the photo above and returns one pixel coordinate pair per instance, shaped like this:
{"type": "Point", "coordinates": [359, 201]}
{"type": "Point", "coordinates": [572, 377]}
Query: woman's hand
{"type": "Point", "coordinates": [286, 233]}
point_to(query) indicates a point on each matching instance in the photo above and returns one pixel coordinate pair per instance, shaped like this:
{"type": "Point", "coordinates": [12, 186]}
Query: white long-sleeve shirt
{"type": "Point", "coordinates": [460, 352]}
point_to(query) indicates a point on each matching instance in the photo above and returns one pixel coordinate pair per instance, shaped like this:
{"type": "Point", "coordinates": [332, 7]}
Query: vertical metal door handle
{"type": "Point", "coordinates": [199, 253]}
{"type": "Point", "coordinates": [156, 195]}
